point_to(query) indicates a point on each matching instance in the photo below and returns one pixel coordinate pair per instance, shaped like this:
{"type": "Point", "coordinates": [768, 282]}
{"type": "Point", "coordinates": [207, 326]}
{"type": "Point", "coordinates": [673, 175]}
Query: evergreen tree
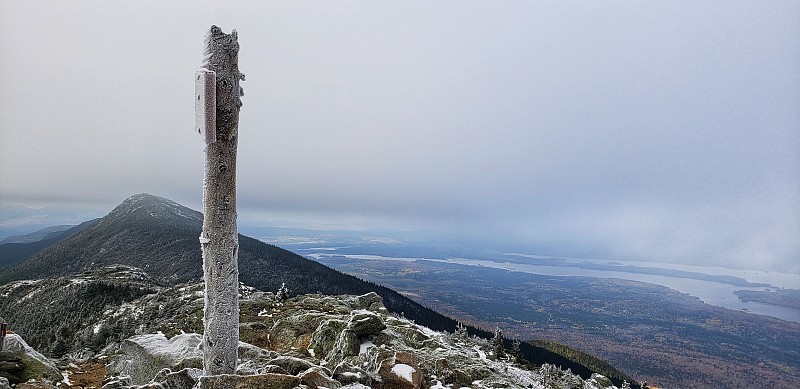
{"type": "Point", "coordinates": [283, 293]}
{"type": "Point", "coordinates": [460, 332]}
{"type": "Point", "coordinates": [497, 343]}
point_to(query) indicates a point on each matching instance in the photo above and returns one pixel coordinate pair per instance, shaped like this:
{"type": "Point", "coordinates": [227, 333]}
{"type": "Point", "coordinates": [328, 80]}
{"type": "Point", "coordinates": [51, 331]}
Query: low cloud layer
{"type": "Point", "coordinates": [639, 131]}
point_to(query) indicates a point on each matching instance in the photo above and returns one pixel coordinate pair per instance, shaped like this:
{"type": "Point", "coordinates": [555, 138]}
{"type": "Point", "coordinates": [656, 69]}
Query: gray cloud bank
{"type": "Point", "coordinates": [640, 130]}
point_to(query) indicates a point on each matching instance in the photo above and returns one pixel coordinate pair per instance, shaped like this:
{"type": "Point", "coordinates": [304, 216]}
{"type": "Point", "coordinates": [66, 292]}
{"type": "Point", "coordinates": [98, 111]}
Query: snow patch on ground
{"type": "Point", "coordinates": [404, 371]}
{"type": "Point", "coordinates": [366, 344]}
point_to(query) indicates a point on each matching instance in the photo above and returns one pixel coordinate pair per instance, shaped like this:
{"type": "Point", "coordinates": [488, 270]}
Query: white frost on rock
{"type": "Point", "coordinates": [481, 354]}
{"type": "Point", "coordinates": [143, 356]}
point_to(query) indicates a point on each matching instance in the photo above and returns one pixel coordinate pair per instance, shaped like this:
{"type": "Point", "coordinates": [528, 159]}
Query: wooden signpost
{"type": "Point", "coordinates": [217, 104]}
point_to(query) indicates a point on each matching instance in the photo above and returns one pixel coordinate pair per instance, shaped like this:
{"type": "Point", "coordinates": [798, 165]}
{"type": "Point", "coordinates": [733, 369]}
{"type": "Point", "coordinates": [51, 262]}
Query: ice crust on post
{"type": "Point", "coordinates": [219, 239]}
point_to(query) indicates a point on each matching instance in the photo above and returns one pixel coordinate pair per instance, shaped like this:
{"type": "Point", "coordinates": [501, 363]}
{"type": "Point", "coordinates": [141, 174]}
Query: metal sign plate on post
{"type": "Point", "coordinates": [205, 104]}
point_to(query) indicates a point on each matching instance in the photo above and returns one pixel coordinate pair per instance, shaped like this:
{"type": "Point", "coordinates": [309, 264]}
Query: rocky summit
{"type": "Point", "coordinates": [307, 341]}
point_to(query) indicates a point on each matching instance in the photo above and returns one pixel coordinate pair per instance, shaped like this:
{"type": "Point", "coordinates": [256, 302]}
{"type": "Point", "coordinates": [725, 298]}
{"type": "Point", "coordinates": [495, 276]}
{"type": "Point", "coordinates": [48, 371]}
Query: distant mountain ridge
{"type": "Point", "coordinates": [19, 220]}
{"type": "Point", "coordinates": [161, 237]}
{"type": "Point", "coordinates": [143, 231]}
{"type": "Point", "coordinates": [17, 248]}
{"type": "Point", "coordinates": [44, 233]}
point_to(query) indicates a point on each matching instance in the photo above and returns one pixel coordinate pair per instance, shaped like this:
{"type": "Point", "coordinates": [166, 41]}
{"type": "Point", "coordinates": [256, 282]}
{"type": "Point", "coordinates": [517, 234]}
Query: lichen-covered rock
{"type": "Point", "coordinates": [116, 382]}
{"type": "Point", "coordinates": [317, 377]}
{"type": "Point", "coordinates": [255, 360]}
{"type": "Point", "coordinates": [260, 381]}
{"type": "Point", "coordinates": [35, 385]}
{"type": "Point", "coordinates": [363, 322]}
{"type": "Point", "coordinates": [294, 332]}
{"type": "Point", "coordinates": [371, 301]}
{"type": "Point", "coordinates": [346, 373]}
{"type": "Point", "coordinates": [412, 335]}
{"type": "Point", "coordinates": [292, 365]}
{"type": "Point", "coordinates": [183, 379]}
{"type": "Point", "coordinates": [347, 345]}
{"type": "Point", "coordinates": [4, 384]}
{"type": "Point", "coordinates": [35, 366]}
{"type": "Point", "coordinates": [325, 337]}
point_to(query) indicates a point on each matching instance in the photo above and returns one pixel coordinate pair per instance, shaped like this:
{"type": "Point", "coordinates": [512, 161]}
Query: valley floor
{"type": "Point", "coordinates": [654, 333]}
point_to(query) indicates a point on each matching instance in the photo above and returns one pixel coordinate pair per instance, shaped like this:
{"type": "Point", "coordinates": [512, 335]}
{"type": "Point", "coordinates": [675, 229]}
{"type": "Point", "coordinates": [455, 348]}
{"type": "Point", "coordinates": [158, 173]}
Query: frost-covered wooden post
{"type": "Point", "coordinates": [217, 104]}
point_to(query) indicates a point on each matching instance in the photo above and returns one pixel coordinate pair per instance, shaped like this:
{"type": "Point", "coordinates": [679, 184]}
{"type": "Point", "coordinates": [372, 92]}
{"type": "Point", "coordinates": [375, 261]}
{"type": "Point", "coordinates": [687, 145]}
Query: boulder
{"type": "Point", "coordinates": [259, 381]}
{"type": "Point", "coordinates": [35, 366]}
{"type": "Point", "coordinates": [371, 301]}
{"type": "Point", "coordinates": [316, 377]}
{"type": "Point", "coordinates": [324, 337]}
{"type": "Point", "coordinates": [412, 336]}
{"type": "Point", "coordinates": [364, 323]}
{"type": "Point", "coordinates": [4, 384]}
{"type": "Point", "coordinates": [183, 379]}
{"type": "Point", "coordinates": [294, 331]}
{"type": "Point", "coordinates": [347, 373]}
{"type": "Point", "coordinates": [255, 360]}
{"type": "Point", "coordinates": [347, 345]}
{"type": "Point", "coordinates": [290, 364]}
{"type": "Point", "coordinates": [143, 356]}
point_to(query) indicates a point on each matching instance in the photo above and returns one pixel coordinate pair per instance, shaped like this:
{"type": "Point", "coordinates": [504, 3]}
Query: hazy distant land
{"type": "Point", "coordinates": [781, 297]}
{"type": "Point", "coordinates": [591, 265]}
{"type": "Point", "coordinates": [657, 333]}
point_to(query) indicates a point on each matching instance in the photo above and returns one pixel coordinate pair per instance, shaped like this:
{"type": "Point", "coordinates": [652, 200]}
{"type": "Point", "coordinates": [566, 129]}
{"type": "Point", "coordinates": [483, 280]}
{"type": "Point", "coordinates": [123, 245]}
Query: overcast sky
{"type": "Point", "coordinates": [654, 130]}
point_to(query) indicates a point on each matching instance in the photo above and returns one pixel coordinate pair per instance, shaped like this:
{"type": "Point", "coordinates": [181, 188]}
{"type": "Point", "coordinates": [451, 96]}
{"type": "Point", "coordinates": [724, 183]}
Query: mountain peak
{"type": "Point", "coordinates": [153, 233]}
{"type": "Point", "coordinates": [147, 205]}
